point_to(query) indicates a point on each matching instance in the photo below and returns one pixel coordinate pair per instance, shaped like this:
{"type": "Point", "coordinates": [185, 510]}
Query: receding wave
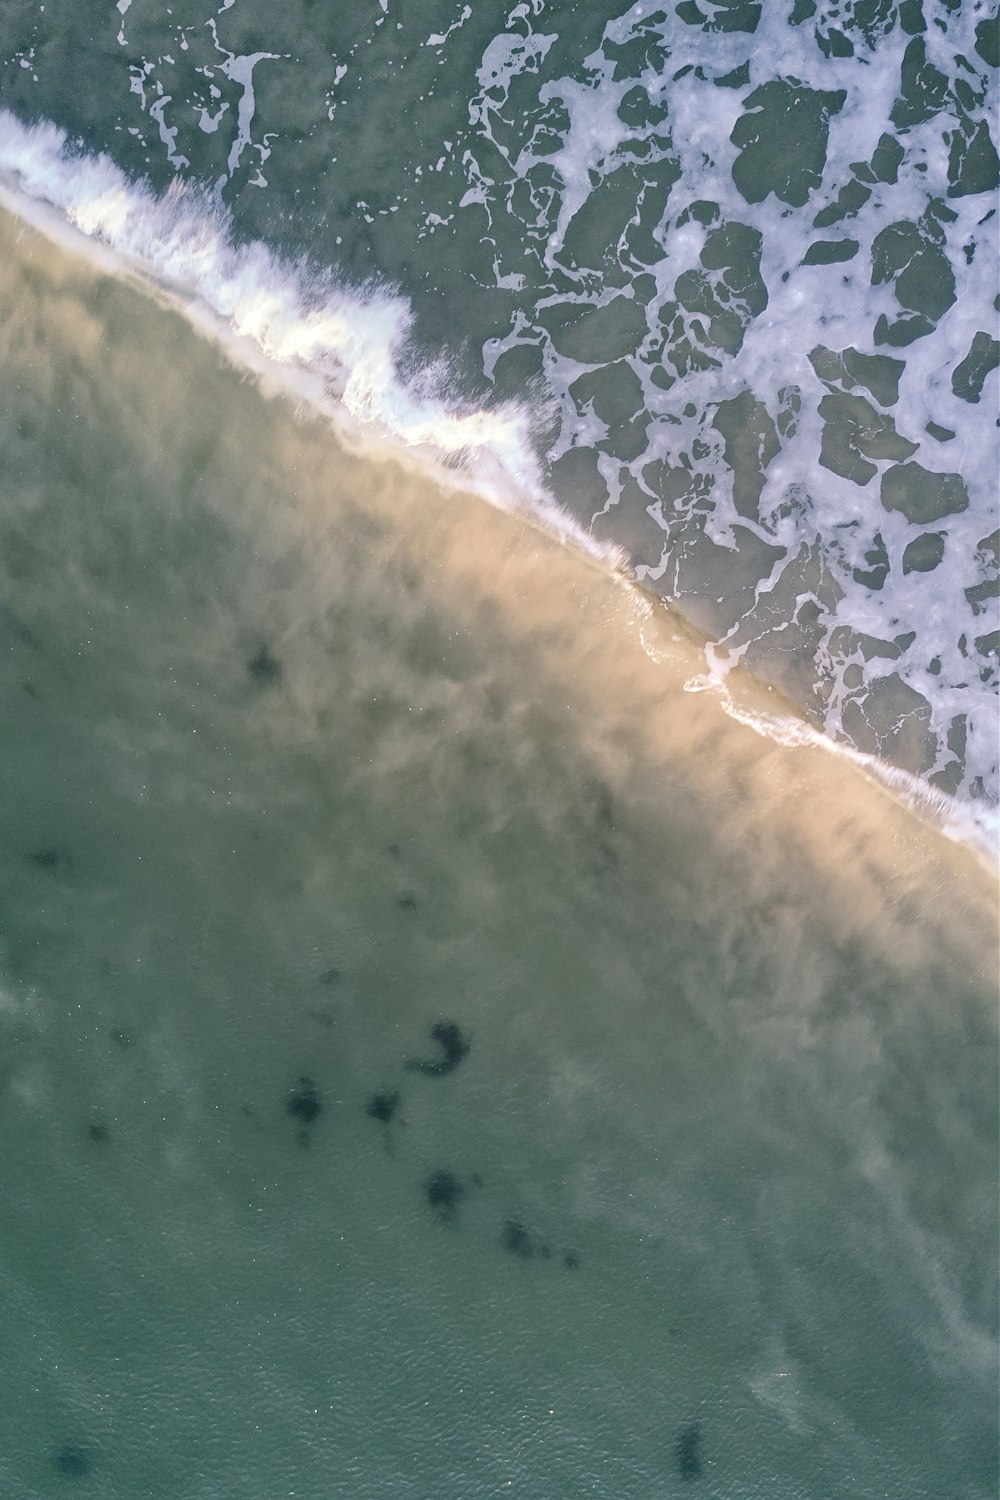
{"type": "Point", "coordinates": [341, 349]}
{"type": "Point", "coordinates": [345, 350]}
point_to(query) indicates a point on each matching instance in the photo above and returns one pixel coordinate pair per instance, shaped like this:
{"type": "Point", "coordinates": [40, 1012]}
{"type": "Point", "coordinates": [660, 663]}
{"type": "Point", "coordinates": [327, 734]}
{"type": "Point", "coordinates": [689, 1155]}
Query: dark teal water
{"type": "Point", "coordinates": [442, 1053]}
{"type": "Point", "coordinates": [694, 1191]}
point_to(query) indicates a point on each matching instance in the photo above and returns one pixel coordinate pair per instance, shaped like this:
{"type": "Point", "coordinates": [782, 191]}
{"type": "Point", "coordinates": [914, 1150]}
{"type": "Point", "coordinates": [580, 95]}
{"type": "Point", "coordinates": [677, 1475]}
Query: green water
{"type": "Point", "coordinates": [290, 777]}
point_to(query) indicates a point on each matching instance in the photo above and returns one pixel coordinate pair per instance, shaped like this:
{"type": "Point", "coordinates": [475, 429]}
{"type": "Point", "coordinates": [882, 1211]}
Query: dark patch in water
{"type": "Point", "coordinates": [604, 806]}
{"type": "Point", "coordinates": [382, 1107]}
{"type": "Point", "coordinates": [30, 689]}
{"type": "Point", "coordinates": [264, 668]}
{"type": "Point", "coordinates": [444, 1193]}
{"type": "Point", "coordinates": [453, 1044]}
{"type": "Point", "coordinates": [99, 1133]}
{"type": "Point", "coordinates": [607, 858]}
{"type": "Point", "coordinates": [571, 1261]}
{"type": "Point", "coordinates": [50, 858]}
{"type": "Point", "coordinates": [332, 976]}
{"type": "Point", "coordinates": [304, 1101]}
{"type": "Point", "coordinates": [27, 637]}
{"type": "Point", "coordinates": [406, 902]}
{"type": "Point", "coordinates": [516, 1240]}
{"type": "Point", "coordinates": [73, 1460]}
{"type": "Point", "coordinates": [687, 1452]}
{"type": "Point", "coordinates": [120, 1038]}
{"type": "Point", "coordinates": [605, 826]}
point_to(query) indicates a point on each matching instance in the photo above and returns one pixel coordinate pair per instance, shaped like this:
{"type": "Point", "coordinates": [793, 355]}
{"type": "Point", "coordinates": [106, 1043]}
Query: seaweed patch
{"type": "Point", "coordinates": [516, 1240]}
{"type": "Point", "coordinates": [304, 1102]}
{"type": "Point", "coordinates": [73, 1460]}
{"type": "Point", "coordinates": [382, 1107]}
{"type": "Point", "coordinates": [605, 826]}
{"type": "Point", "coordinates": [264, 668]}
{"type": "Point", "coordinates": [687, 1452]}
{"type": "Point", "coordinates": [444, 1194]}
{"type": "Point", "coordinates": [604, 805]}
{"type": "Point", "coordinates": [454, 1047]}
{"type": "Point", "coordinates": [50, 858]}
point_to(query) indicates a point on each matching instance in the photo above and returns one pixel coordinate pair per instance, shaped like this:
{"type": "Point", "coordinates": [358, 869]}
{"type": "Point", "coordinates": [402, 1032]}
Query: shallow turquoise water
{"type": "Point", "coordinates": [708, 1205]}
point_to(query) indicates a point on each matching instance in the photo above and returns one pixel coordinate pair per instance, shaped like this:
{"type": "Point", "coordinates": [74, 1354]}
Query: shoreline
{"type": "Point", "coordinates": [743, 698]}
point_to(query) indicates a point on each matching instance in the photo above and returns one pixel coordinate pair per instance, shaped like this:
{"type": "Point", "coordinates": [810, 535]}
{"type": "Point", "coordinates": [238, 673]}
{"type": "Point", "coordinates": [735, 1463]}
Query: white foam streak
{"type": "Point", "coordinates": [595, 133]}
{"type": "Point", "coordinates": [975, 825]}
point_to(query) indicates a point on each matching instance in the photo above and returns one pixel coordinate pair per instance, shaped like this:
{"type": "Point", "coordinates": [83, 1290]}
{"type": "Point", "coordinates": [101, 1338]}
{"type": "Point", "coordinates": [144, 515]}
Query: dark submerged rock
{"type": "Point", "coordinates": [382, 1107]}
{"type": "Point", "coordinates": [605, 826]}
{"type": "Point", "coordinates": [49, 858]}
{"type": "Point", "coordinates": [571, 1261]}
{"type": "Point", "coordinates": [454, 1046]}
{"type": "Point", "coordinates": [331, 976]}
{"type": "Point", "coordinates": [120, 1038]}
{"type": "Point", "coordinates": [407, 901]}
{"type": "Point", "coordinates": [98, 1132]}
{"type": "Point", "coordinates": [607, 858]}
{"type": "Point", "coordinates": [444, 1193]}
{"type": "Point", "coordinates": [516, 1240]}
{"type": "Point", "coordinates": [604, 806]}
{"type": "Point", "coordinates": [264, 668]}
{"type": "Point", "coordinates": [73, 1460]}
{"type": "Point", "coordinates": [687, 1452]}
{"type": "Point", "coordinates": [304, 1102]}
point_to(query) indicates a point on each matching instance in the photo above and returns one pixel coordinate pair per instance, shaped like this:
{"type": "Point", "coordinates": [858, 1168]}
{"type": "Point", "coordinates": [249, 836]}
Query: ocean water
{"type": "Point", "coordinates": [712, 287]}
{"type": "Point", "coordinates": [460, 1032]}
{"type": "Point", "coordinates": [306, 756]}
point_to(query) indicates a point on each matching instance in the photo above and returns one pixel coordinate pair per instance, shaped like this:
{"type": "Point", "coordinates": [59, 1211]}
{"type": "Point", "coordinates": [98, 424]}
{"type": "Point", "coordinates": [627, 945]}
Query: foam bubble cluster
{"type": "Point", "coordinates": [759, 260]}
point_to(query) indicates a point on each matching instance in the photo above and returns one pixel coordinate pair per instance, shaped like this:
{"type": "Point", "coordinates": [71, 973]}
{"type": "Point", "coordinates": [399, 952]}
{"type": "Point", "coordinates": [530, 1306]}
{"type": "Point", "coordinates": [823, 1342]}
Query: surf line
{"type": "Point", "coordinates": [781, 721]}
{"type": "Point", "coordinates": [334, 348]}
{"type": "Point", "coordinates": [956, 820]}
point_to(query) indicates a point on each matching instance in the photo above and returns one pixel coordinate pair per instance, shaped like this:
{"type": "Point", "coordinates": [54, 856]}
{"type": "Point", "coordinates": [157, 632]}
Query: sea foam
{"type": "Point", "coordinates": [620, 194]}
{"type": "Point", "coordinates": [340, 349]}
